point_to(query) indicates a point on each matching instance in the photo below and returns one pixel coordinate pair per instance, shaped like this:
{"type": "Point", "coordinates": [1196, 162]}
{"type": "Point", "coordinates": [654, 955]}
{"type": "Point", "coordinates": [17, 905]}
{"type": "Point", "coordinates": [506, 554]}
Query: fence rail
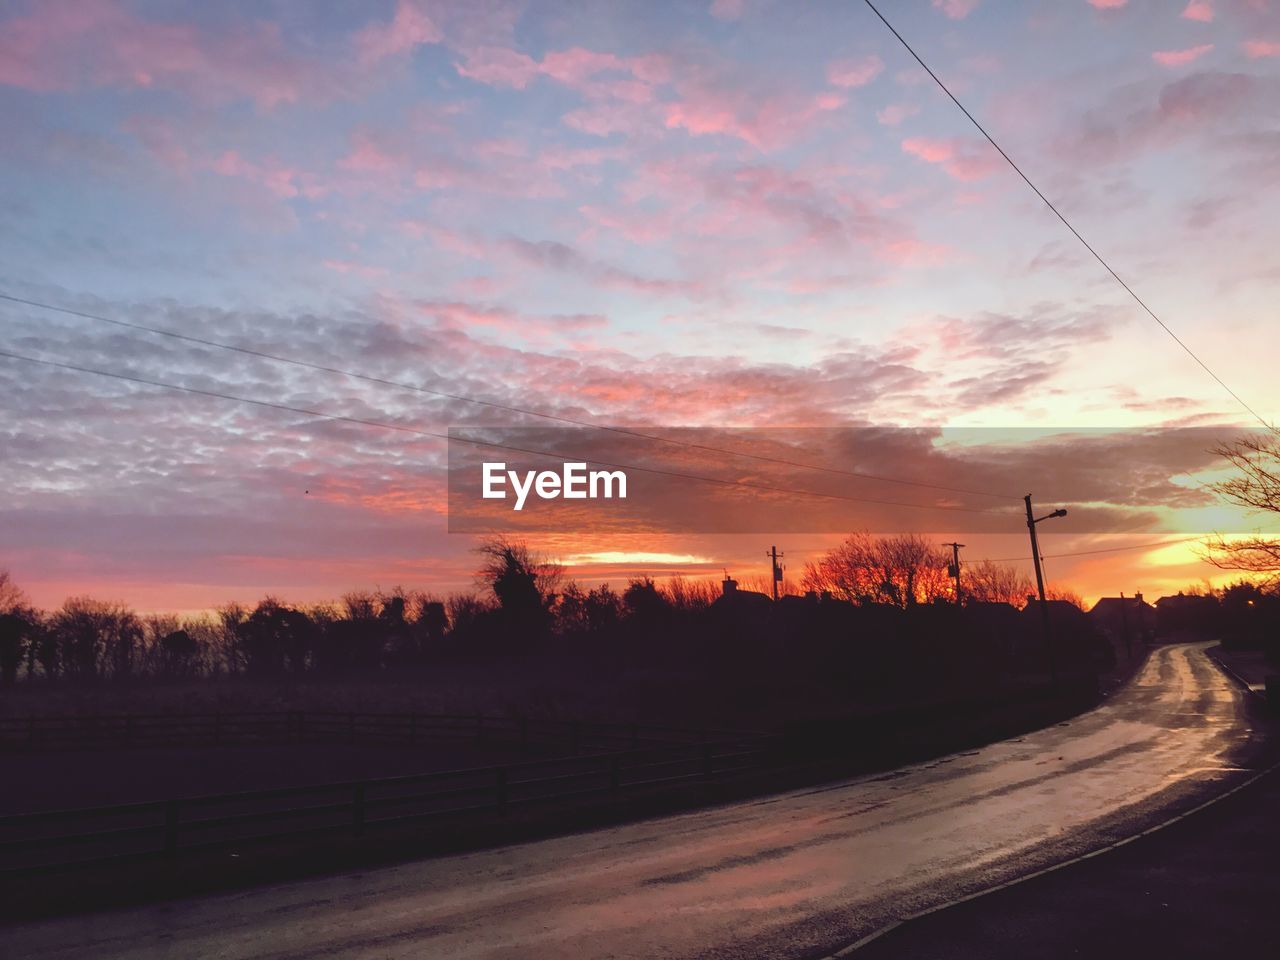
{"type": "Point", "coordinates": [166, 828]}
{"type": "Point", "coordinates": [215, 729]}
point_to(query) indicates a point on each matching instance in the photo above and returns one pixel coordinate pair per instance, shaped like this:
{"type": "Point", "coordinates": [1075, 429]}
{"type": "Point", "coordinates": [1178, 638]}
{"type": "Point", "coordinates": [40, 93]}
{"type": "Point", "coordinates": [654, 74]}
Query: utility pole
{"type": "Point", "coordinates": [775, 575]}
{"type": "Point", "coordinates": [1124, 628]}
{"type": "Point", "coordinates": [955, 566]}
{"type": "Point", "coordinates": [1032, 520]}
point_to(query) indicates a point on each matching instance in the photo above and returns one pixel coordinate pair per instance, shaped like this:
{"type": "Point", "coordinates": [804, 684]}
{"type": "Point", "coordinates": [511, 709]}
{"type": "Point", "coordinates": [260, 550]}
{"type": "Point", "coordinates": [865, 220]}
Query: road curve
{"type": "Point", "coordinates": [793, 875]}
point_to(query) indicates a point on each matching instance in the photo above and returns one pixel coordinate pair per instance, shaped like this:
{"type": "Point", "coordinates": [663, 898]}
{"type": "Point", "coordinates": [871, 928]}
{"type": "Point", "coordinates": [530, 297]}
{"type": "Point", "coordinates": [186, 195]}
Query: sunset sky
{"type": "Point", "coordinates": [732, 214]}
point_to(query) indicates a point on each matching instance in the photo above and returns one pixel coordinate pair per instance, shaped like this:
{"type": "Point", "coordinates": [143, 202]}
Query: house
{"type": "Point", "coordinates": [1127, 621]}
{"type": "Point", "coordinates": [1187, 616]}
{"type": "Point", "coordinates": [733, 598]}
{"type": "Point", "coordinates": [1076, 637]}
{"type": "Point", "coordinates": [999, 622]}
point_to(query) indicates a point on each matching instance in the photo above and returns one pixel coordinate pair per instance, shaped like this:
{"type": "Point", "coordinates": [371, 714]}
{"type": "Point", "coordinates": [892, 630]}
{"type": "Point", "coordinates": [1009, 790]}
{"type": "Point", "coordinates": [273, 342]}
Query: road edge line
{"type": "Point", "coordinates": [879, 932]}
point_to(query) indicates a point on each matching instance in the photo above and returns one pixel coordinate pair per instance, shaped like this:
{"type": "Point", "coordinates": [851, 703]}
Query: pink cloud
{"type": "Point", "coordinates": [460, 316]}
{"type": "Point", "coordinates": [578, 68]}
{"type": "Point", "coordinates": [366, 156]}
{"type": "Point", "coordinates": [1180, 58]}
{"type": "Point", "coordinates": [895, 113]}
{"type": "Point", "coordinates": [69, 45]}
{"type": "Point", "coordinates": [1255, 49]}
{"type": "Point", "coordinates": [284, 181]}
{"type": "Point", "coordinates": [727, 9]}
{"type": "Point", "coordinates": [499, 67]}
{"type": "Point", "coordinates": [955, 9]}
{"type": "Point", "coordinates": [1201, 10]}
{"type": "Point", "coordinates": [854, 73]}
{"type": "Point", "coordinates": [367, 271]}
{"type": "Point", "coordinates": [577, 64]}
{"type": "Point", "coordinates": [1107, 4]}
{"type": "Point", "coordinates": [962, 159]}
{"type": "Point", "coordinates": [764, 124]}
{"type": "Point", "coordinates": [409, 28]}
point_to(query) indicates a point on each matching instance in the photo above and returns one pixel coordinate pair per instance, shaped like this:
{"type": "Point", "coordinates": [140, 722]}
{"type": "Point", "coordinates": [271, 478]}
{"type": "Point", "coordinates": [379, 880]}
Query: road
{"type": "Point", "coordinates": [792, 875]}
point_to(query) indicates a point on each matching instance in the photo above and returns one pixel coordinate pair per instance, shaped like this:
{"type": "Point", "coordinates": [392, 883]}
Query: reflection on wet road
{"type": "Point", "coordinates": [791, 875]}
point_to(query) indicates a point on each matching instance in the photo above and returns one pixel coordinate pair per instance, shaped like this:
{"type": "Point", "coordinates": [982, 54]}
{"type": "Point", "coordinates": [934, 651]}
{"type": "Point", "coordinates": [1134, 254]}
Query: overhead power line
{"type": "Point", "coordinates": [1076, 233]}
{"type": "Point", "coordinates": [402, 428]}
{"type": "Point", "coordinates": [493, 404]}
{"type": "Point", "coordinates": [1090, 553]}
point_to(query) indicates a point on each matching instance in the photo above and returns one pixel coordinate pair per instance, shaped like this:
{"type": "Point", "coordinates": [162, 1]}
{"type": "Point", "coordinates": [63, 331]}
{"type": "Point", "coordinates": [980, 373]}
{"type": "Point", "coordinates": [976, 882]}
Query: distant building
{"type": "Point", "coordinates": [1187, 616]}
{"type": "Point", "coordinates": [1075, 634]}
{"type": "Point", "coordinates": [736, 599]}
{"type": "Point", "coordinates": [1000, 622]}
{"type": "Point", "coordinates": [1125, 620]}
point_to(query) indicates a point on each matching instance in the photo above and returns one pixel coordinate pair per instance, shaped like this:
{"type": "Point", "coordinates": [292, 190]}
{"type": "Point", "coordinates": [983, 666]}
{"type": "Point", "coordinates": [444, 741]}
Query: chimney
{"type": "Point", "coordinates": [729, 585]}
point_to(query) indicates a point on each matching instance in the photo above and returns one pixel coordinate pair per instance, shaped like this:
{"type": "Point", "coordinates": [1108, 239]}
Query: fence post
{"type": "Point", "coordinates": [171, 828]}
{"type": "Point", "coordinates": [615, 774]}
{"type": "Point", "coordinates": [635, 736]}
{"type": "Point", "coordinates": [351, 727]}
{"type": "Point", "coordinates": [357, 809]}
{"type": "Point", "coordinates": [502, 791]}
{"type": "Point", "coordinates": [524, 734]}
{"type": "Point", "coordinates": [575, 738]}
{"type": "Point", "coordinates": [707, 758]}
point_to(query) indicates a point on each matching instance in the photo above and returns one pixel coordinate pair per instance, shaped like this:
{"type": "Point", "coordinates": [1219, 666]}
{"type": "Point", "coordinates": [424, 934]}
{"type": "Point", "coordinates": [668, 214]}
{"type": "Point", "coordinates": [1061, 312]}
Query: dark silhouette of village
{"type": "Point", "coordinates": [855, 636]}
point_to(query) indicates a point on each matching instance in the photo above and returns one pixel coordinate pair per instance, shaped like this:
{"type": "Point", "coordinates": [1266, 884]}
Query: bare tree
{"type": "Point", "coordinates": [1066, 594]}
{"type": "Point", "coordinates": [901, 570]}
{"type": "Point", "coordinates": [995, 583]}
{"type": "Point", "coordinates": [96, 638]}
{"type": "Point", "coordinates": [1256, 487]}
{"type": "Point", "coordinates": [523, 584]}
{"type": "Point", "coordinates": [18, 625]}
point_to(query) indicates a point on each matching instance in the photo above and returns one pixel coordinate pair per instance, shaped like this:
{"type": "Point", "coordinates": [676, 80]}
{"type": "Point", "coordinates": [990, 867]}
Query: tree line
{"type": "Point", "coordinates": [523, 602]}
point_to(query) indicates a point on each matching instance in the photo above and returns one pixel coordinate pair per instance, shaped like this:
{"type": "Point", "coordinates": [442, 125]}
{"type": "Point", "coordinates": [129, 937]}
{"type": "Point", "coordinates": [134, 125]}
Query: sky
{"type": "Point", "coordinates": [738, 214]}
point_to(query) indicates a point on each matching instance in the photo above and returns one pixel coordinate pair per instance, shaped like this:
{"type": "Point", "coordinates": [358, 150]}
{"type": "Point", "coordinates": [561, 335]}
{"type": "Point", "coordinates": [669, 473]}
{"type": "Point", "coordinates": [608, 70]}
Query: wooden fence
{"type": "Point", "coordinates": [227, 729]}
{"type": "Point", "coordinates": [167, 828]}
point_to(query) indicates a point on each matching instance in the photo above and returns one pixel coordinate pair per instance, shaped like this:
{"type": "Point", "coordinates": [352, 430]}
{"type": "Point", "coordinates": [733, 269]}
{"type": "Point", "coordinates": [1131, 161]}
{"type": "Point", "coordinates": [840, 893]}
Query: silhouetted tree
{"type": "Point", "coordinates": [587, 612]}
{"type": "Point", "coordinates": [1066, 594]}
{"type": "Point", "coordinates": [433, 622]}
{"type": "Point", "coordinates": [19, 622]}
{"type": "Point", "coordinates": [15, 633]}
{"type": "Point", "coordinates": [522, 584]}
{"type": "Point", "coordinates": [644, 603]}
{"type": "Point", "coordinates": [901, 571]}
{"type": "Point", "coordinates": [1256, 487]}
{"type": "Point", "coordinates": [995, 583]}
{"type": "Point", "coordinates": [178, 652]}
{"type": "Point", "coordinates": [93, 638]}
{"type": "Point", "coordinates": [687, 595]}
{"type": "Point", "coordinates": [276, 638]}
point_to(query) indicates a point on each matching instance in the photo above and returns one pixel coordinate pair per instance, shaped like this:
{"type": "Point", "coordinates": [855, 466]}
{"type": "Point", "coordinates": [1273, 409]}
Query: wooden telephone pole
{"type": "Point", "coordinates": [775, 575]}
{"type": "Point", "coordinates": [1032, 520]}
{"type": "Point", "coordinates": [955, 566]}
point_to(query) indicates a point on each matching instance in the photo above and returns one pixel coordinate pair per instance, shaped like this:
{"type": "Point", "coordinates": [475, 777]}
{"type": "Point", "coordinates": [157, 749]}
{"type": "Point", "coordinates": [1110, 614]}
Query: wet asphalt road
{"type": "Point", "coordinates": [798, 874]}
